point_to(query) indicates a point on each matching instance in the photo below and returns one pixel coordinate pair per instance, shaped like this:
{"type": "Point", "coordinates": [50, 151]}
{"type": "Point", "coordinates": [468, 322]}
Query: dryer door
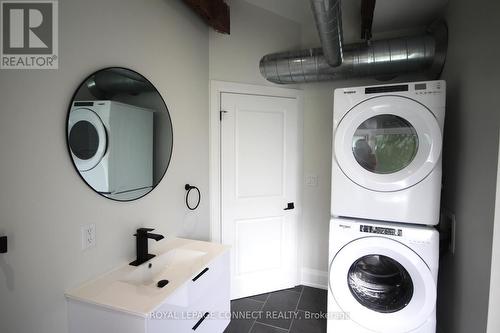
{"type": "Point", "coordinates": [383, 285]}
{"type": "Point", "coordinates": [388, 143]}
{"type": "Point", "coordinates": [87, 138]}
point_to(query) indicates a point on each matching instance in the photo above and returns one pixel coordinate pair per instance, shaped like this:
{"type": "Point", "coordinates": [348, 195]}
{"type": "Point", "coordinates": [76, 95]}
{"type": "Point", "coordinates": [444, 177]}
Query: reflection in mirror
{"type": "Point", "coordinates": [119, 134]}
{"type": "Point", "coordinates": [385, 144]}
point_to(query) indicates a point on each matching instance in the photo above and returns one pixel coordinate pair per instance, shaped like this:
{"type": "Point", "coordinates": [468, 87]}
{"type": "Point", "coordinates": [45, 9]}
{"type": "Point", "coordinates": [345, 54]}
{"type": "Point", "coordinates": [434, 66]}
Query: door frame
{"type": "Point", "coordinates": [216, 89]}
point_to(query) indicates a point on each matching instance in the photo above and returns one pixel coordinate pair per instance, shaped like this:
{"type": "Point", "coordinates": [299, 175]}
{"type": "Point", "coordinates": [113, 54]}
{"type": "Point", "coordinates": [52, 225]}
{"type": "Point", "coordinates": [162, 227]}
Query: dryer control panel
{"type": "Point", "coordinates": [420, 88]}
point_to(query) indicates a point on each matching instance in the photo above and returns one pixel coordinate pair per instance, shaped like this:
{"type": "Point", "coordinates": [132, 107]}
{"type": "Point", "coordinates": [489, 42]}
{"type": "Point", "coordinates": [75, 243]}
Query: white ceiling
{"type": "Point", "coordinates": [389, 14]}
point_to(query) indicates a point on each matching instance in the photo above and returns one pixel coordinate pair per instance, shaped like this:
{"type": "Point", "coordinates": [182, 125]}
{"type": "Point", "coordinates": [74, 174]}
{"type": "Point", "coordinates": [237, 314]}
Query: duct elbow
{"type": "Point", "coordinates": [328, 18]}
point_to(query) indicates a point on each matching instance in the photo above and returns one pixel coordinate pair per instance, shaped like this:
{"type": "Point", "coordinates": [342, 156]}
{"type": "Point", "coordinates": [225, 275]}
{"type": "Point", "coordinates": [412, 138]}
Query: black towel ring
{"type": "Point", "coordinates": [188, 189]}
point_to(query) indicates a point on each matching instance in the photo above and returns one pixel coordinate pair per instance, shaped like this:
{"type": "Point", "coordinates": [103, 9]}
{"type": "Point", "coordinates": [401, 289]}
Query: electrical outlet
{"type": "Point", "coordinates": [312, 180]}
{"type": "Point", "coordinates": [88, 236]}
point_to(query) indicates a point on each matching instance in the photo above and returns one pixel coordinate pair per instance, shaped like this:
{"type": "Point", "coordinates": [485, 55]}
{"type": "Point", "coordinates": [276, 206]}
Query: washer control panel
{"type": "Point", "coordinates": [427, 88]}
{"type": "Point", "coordinates": [381, 230]}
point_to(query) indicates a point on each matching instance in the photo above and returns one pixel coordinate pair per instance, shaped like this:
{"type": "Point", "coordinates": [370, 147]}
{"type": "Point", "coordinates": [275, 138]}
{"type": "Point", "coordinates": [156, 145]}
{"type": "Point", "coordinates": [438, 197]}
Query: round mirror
{"type": "Point", "coordinates": [119, 134]}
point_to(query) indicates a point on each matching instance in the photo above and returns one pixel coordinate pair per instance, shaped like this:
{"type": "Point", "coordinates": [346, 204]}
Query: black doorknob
{"type": "Point", "coordinates": [3, 244]}
{"type": "Point", "coordinates": [290, 206]}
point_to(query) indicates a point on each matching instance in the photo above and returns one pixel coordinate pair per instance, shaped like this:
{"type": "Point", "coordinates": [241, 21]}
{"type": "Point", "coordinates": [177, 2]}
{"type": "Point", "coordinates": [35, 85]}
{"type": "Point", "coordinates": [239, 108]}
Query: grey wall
{"type": "Point", "coordinates": [43, 201]}
{"type": "Point", "coordinates": [470, 162]}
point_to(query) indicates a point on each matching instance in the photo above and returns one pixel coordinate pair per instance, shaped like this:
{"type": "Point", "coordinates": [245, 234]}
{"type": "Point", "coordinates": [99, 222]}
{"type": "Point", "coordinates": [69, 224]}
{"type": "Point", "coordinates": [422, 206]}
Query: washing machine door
{"type": "Point", "coordinates": [388, 143]}
{"type": "Point", "coordinates": [87, 138]}
{"type": "Point", "coordinates": [382, 285]}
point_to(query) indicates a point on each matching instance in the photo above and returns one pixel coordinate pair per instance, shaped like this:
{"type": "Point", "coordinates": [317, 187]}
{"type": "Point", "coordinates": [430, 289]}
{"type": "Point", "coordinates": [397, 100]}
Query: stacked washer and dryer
{"type": "Point", "coordinates": [386, 184]}
{"type": "Point", "coordinates": [111, 144]}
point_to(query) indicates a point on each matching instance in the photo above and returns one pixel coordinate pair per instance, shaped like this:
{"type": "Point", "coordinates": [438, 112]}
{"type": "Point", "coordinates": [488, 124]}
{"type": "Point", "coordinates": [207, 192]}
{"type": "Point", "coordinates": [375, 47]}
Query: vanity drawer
{"type": "Point", "coordinates": [210, 325]}
{"type": "Point", "coordinates": [208, 279]}
{"type": "Point", "coordinates": [210, 315]}
{"type": "Point", "coordinates": [199, 286]}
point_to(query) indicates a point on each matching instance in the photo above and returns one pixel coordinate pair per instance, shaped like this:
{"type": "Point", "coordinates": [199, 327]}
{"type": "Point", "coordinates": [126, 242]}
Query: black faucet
{"type": "Point", "coordinates": [141, 238]}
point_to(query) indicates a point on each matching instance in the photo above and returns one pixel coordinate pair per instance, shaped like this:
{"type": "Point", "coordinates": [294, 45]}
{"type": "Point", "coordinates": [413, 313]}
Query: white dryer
{"type": "Point", "coordinates": [382, 277]}
{"type": "Point", "coordinates": [387, 146]}
{"type": "Point", "coordinates": [111, 144]}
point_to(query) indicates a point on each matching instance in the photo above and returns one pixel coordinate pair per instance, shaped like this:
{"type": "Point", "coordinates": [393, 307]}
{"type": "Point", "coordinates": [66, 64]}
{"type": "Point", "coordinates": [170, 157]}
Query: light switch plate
{"type": "Point", "coordinates": [88, 236]}
{"type": "Point", "coordinates": [312, 180]}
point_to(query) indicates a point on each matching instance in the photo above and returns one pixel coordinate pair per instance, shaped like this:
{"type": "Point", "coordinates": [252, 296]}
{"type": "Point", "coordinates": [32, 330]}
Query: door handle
{"type": "Point", "coordinates": [290, 206]}
{"type": "Point", "coordinates": [3, 244]}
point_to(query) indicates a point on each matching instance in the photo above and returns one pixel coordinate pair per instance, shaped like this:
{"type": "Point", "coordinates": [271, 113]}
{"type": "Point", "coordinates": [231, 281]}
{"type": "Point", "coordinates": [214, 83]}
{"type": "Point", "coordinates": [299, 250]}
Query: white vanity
{"type": "Point", "coordinates": [129, 300]}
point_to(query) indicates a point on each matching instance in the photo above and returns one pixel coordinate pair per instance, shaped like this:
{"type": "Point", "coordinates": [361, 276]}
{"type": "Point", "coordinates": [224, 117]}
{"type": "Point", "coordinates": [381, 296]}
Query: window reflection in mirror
{"type": "Point", "coordinates": [119, 134]}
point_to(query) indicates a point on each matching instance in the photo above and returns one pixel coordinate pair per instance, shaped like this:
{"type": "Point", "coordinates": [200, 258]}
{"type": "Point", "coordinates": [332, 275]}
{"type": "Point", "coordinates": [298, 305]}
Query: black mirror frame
{"type": "Point", "coordinates": [67, 129]}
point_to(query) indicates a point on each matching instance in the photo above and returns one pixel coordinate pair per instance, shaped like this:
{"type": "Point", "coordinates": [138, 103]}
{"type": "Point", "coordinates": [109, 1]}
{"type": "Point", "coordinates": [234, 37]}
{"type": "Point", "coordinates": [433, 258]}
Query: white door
{"type": "Point", "coordinates": [388, 143]}
{"type": "Point", "coordinates": [259, 152]}
{"type": "Point", "coordinates": [383, 285]}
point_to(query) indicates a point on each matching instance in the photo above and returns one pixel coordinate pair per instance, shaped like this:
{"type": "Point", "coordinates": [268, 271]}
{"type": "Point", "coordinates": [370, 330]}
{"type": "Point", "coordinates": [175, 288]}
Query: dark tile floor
{"type": "Point", "coordinates": [297, 310]}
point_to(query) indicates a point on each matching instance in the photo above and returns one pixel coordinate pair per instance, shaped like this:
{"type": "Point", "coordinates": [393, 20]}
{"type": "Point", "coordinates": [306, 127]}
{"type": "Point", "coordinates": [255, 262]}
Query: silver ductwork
{"type": "Point", "coordinates": [382, 59]}
{"type": "Point", "coordinates": [108, 83]}
{"type": "Point", "coordinates": [328, 18]}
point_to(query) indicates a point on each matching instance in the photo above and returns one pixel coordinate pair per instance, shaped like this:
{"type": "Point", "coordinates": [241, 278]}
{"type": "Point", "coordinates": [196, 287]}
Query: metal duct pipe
{"type": "Point", "coordinates": [380, 59]}
{"type": "Point", "coordinates": [328, 18]}
{"type": "Point", "coordinates": [106, 84]}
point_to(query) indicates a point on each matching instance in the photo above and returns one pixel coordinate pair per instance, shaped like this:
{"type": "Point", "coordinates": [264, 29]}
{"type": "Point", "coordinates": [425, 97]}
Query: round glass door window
{"type": "Point", "coordinates": [380, 283]}
{"type": "Point", "coordinates": [84, 140]}
{"type": "Point", "coordinates": [385, 144]}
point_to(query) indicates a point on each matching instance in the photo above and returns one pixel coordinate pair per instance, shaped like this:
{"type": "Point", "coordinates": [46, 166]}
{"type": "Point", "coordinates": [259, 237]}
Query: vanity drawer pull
{"type": "Point", "coordinates": [199, 275]}
{"type": "Point", "coordinates": [201, 320]}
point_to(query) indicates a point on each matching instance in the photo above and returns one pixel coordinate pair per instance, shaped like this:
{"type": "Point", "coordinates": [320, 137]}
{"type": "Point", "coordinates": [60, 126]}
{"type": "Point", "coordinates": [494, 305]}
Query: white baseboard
{"type": "Point", "coordinates": [314, 278]}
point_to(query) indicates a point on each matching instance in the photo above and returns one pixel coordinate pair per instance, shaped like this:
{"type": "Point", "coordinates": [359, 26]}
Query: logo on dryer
{"type": "Point", "coordinates": [348, 92]}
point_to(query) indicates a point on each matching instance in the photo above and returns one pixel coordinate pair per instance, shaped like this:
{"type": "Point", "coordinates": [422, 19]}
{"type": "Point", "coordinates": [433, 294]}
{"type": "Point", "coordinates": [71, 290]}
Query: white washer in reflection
{"type": "Point", "coordinates": [382, 277]}
{"type": "Point", "coordinates": [111, 144]}
{"type": "Point", "coordinates": [387, 152]}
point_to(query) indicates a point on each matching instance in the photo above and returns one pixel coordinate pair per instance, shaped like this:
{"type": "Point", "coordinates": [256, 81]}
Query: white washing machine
{"type": "Point", "coordinates": [382, 277]}
{"type": "Point", "coordinates": [387, 146]}
{"type": "Point", "coordinates": [111, 144]}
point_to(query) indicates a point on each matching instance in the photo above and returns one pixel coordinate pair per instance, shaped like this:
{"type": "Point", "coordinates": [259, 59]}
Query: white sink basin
{"type": "Point", "coordinates": [159, 267]}
{"type": "Point", "coordinates": [134, 289]}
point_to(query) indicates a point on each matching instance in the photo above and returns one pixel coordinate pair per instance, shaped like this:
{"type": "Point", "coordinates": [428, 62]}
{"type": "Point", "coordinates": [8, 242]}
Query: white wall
{"type": "Point", "coordinates": [43, 201]}
{"type": "Point", "coordinates": [494, 302]}
{"type": "Point", "coordinates": [470, 162]}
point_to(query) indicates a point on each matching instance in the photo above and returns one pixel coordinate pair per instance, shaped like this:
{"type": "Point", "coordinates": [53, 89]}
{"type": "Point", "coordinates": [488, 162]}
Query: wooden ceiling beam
{"type": "Point", "coordinates": [214, 12]}
{"type": "Point", "coordinates": [367, 11]}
